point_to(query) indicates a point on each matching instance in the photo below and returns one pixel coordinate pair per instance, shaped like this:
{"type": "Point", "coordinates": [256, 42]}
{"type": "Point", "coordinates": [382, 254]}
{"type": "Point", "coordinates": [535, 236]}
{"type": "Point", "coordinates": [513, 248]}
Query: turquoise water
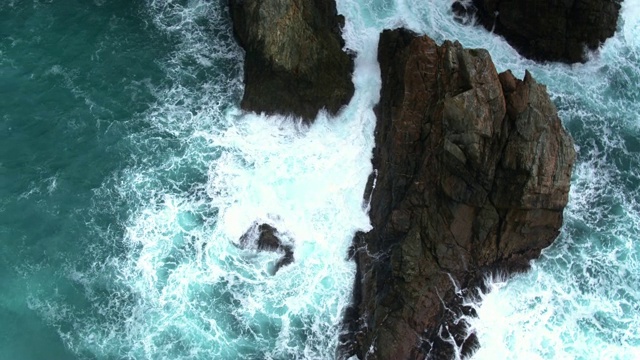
{"type": "Point", "coordinates": [127, 174]}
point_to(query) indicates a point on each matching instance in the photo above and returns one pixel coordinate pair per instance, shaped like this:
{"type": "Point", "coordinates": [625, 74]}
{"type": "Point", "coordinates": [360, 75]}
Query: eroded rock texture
{"type": "Point", "coordinates": [548, 29]}
{"type": "Point", "coordinates": [473, 171]}
{"type": "Point", "coordinates": [294, 62]}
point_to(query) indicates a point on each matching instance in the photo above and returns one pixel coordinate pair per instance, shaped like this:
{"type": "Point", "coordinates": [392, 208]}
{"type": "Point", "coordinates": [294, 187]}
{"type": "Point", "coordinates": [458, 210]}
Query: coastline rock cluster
{"type": "Point", "coordinates": [547, 29]}
{"type": "Point", "coordinates": [294, 63]}
{"type": "Point", "coordinates": [473, 172]}
{"type": "Point", "coordinates": [472, 167]}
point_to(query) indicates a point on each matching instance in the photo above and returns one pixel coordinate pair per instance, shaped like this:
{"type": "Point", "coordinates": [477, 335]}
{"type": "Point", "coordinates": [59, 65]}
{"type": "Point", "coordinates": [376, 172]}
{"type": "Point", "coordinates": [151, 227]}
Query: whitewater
{"type": "Point", "coordinates": [124, 246]}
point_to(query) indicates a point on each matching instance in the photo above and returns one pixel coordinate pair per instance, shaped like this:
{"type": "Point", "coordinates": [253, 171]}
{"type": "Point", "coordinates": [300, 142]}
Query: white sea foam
{"type": "Point", "coordinates": [179, 287]}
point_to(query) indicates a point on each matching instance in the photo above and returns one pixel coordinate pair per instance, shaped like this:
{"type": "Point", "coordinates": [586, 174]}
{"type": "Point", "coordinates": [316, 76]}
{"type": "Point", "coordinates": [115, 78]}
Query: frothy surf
{"type": "Point", "coordinates": [174, 285]}
{"type": "Point", "coordinates": [180, 287]}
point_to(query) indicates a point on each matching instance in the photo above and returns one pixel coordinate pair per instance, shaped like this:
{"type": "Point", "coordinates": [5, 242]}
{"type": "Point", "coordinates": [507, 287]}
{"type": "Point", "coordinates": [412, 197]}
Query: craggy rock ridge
{"type": "Point", "coordinates": [547, 29]}
{"type": "Point", "coordinates": [473, 171]}
{"type": "Point", "coordinates": [294, 62]}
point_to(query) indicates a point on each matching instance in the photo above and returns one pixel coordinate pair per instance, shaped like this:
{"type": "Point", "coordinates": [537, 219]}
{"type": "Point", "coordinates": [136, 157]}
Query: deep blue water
{"type": "Point", "coordinates": [127, 173]}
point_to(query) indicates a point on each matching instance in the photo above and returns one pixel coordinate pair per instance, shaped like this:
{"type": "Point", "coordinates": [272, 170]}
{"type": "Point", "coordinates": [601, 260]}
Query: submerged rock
{"type": "Point", "coordinates": [547, 29]}
{"type": "Point", "coordinates": [264, 237]}
{"type": "Point", "coordinates": [294, 63]}
{"type": "Point", "coordinates": [473, 171]}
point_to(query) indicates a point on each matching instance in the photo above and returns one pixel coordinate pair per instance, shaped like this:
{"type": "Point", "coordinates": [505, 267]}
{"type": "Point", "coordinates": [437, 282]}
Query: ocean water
{"type": "Point", "coordinates": [128, 174]}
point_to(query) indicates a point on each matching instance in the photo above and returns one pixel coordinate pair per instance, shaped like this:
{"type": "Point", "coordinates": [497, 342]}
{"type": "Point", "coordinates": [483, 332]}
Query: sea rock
{"type": "Point", "coordinates": [264, 237]}
{"type": "Point", "coordinates": [473, 171]}
{"type": "Point", "coordinates": [547, 29]}
{"type": "Point", "coordinates": [294, 63]}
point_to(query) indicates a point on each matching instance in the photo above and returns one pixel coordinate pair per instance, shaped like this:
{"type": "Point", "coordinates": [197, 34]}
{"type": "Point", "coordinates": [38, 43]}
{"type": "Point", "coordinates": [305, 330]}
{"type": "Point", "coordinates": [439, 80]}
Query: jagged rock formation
{"type": "Point", "coordinates": [473, 171]}
{"type": "Point", "coordinates": [264, 237]}
{"type": "Point", "coordinates": [294, 62]}
{"type": "Point", "coordinates": [548, 29]}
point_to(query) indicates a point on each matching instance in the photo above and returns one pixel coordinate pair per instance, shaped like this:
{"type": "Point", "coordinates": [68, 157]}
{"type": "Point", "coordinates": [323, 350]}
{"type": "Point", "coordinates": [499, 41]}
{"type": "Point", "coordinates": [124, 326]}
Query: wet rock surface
{"type": "Point", "coordinates": [264, 237]}
{"type": "Point", "coordinates": [294, 63]}
{"type": "Point", "coordinates": [473, 171]}
{"type": "Point", "coordinates": [547, 29]}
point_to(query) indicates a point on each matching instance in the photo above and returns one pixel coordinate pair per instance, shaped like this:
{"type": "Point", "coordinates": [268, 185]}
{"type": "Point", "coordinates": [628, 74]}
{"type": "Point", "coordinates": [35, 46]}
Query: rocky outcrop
{"type": "Point", "coordinates": [547, 29]}
{"type": "Point", "coordinates": [264, 237]}
{"type": "Point", "coordinates": [294, 62]}
{"type": "Point", "coordinates": [473, 171]}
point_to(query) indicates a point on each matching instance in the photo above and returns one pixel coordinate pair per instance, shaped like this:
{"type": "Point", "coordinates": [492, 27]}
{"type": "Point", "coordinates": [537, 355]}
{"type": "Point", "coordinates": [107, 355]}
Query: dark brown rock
{"type": "Point", "coordinates": [294, 63]}
{"type": "Point", "coordinates": [555, 30]}
{"type": "Point", "coordinates": [264, 237]}
{"type": "Point", "coordinates": [473, 172]}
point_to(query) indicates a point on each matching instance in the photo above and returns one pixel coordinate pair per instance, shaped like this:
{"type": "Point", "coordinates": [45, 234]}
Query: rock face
{"type": "Point", "coordinates": [294, 62]}
{"type": "Point", "coordinates": [548, 29]}
{"type": "Point", "coordinates": [473, 171]}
